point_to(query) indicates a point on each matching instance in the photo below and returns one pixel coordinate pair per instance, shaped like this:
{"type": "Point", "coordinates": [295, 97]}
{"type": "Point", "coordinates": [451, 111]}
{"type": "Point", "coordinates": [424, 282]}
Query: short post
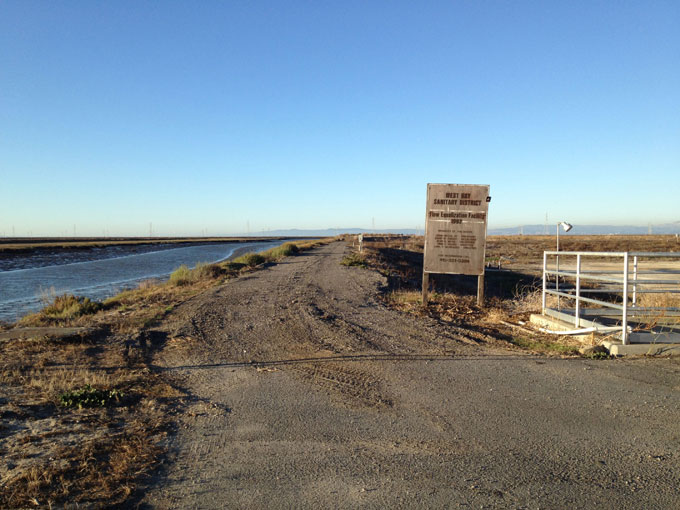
{"type": "Point", "coordinates": [480, 290]}
{"type": "Point", "coordinates": [426, 283]}
{"type": "Point", "coordinates": [624, 317]}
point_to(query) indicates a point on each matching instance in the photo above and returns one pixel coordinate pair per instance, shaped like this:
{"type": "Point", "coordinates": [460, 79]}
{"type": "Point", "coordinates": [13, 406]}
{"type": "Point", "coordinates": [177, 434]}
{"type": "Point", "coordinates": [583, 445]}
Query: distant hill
{"type": "Point", "coordinates": [530, 230]}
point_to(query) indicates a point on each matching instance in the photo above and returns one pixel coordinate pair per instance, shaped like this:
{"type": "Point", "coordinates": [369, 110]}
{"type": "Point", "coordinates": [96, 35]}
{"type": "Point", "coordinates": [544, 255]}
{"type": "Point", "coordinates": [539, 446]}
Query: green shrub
{"type": "Point", "coordinates": [87, 396]}
{"type": "Point", "coordinates": [232, 267]}
{"type": "Point", "coordinates": [68, 306]}
{"type": "Point", "coordinates": [250, 259]}
{"type": "Point", "coordinates": [203, 271]}
{"type": "Point", "coordinates": [181, 276]}
{"type": "Point", "coordinates": [279, 252]}
{"type": "Point", "coordinates": [354, 259]}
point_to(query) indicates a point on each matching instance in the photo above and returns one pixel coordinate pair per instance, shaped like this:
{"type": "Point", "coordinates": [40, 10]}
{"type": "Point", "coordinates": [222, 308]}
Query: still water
{"type": "Point", "coordinates": [22, 290]}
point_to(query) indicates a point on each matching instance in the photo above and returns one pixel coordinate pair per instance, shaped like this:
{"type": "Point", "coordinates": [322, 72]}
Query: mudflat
{"type": "Point", "coordinates": [308, 391]}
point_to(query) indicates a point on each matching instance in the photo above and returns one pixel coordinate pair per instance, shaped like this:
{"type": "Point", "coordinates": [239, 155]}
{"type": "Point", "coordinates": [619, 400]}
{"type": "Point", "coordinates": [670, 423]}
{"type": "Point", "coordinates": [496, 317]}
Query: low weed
{"type": "Point", "coordinates": [354, 259]}
{"type": "Point", "coordinates": [87, 396]}
{"type": "Point", "coordinates": [51, 383]}
{"type": "Point", "coordinates": [598, 355]}
{"type": "Point", "coordinates": [546, 346]}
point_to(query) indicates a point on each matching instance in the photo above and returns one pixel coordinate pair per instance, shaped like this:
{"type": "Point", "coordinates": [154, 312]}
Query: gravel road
{"type": "Point", "coordinates": [308, 392]}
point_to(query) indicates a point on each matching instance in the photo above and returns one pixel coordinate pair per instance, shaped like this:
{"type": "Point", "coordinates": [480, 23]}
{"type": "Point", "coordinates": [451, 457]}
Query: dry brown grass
{"type": "Point", "coordinates": [56, 455]}
{"type": "Point", "coordinates": [659, 318]}
{"type": "Point", "coordinates": [529, 249]}
{"type": "Point", "coordinates": [99, 472]}
{"type": "Point", "coordinates": [52, 382]}
{"type": "Point", "coordinates": [511, 296]}
{"type": "Point", "coordinates": [314, 243]}
{"type": "Point", "coordinates": [53, 455]}
{"type": "Point", "coordinates": [530, 300]}
{"type": "Point", "coordinates": [406, 297]}
{"type": "Point", "coordinates": [659, 300]}
{"type": "Point", "coordinates": [445, 307]}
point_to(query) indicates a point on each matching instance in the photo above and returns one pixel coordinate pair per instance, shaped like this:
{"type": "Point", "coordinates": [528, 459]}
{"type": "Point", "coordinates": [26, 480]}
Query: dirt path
{"type": "Point", "coordinates": [347, 403]}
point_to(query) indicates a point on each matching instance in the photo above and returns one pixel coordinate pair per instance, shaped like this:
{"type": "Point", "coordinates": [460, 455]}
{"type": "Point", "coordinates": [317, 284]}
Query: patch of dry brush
{"type": "Point", "coordinates": [96, 456]}
{"type": "Point", "coordinates": [511, 297]}
{"type": "Point", "coordinates": [53, 454]}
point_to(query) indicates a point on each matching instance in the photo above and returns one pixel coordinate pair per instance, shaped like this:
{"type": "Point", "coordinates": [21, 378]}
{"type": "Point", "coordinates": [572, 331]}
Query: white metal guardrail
{"type": "Point", "coordinates": [620, 278]}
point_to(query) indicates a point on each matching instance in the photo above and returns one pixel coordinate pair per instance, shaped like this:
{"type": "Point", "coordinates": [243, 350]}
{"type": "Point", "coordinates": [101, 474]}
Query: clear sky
{"type": "Point", "coordinates": [214, 115]}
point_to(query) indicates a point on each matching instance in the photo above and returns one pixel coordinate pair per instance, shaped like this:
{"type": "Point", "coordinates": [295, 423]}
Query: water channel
{"type": "Point", "coordinates": [23, 290]}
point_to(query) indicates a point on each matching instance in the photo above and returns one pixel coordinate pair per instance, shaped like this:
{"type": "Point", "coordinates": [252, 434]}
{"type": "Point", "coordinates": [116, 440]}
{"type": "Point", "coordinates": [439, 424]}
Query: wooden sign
{"type": "Point", "coordinates": [455, 230]}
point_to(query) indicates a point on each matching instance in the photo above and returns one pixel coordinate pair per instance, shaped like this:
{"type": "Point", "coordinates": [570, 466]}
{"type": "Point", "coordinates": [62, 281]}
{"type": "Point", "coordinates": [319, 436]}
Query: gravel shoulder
{"type": "Point", "coordinates": [307, 391]}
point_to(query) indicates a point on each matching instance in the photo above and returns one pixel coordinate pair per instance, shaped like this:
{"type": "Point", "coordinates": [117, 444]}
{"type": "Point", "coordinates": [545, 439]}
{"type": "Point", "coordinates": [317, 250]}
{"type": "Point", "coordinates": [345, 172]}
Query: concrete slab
{"type": "Point", "coordinates": [553, 324]}
{"type": "Point", "coordinates": [618, 349]}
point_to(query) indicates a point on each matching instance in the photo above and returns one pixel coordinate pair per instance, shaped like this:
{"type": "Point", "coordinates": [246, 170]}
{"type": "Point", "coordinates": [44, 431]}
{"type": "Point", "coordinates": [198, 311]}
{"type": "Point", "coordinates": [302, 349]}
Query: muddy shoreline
{"type": "Point", "coordinates": [15, 256]}
{"type": "Point", "coordinates": [21, 243]}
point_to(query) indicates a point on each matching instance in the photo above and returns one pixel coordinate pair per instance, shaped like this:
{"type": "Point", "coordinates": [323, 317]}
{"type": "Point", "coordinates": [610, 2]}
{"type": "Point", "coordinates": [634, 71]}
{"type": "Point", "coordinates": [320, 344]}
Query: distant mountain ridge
{"type": "Point", "coordinates": [530, 230]}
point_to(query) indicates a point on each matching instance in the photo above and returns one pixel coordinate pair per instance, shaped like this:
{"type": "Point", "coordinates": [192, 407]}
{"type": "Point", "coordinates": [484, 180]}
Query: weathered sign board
{"type": "Point", "coordinates": [455, 231]}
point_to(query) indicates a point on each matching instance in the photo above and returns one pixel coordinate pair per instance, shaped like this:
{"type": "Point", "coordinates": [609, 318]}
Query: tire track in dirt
{"type": "Point", "coordinates": [309, 306]}
{"type": "Point", "coordinates": [358, 385]}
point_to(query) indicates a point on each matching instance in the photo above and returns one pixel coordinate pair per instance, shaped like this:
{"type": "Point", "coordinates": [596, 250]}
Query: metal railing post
{"type": "Point", "coordinates": [557, 267]}
{"type": "Point", "coordinates": [635, 270]}
{"type": "Point", "coordinates": [577, 311]}
{"type": "Point", "coordinates": [557, 278]}
{"type": "Point", "coordinates": [624, 317]}
{"type": "Point", "coordinates": [545, 264]}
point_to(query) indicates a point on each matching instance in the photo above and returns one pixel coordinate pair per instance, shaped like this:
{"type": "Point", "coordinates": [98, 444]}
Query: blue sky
{"type": "Point", "coordinates": [210, 116]}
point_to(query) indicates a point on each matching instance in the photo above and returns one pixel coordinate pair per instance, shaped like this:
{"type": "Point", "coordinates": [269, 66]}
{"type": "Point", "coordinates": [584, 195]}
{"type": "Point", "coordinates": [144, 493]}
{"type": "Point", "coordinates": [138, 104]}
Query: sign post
{"type": "Point", "coordinates": [455, 232]}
